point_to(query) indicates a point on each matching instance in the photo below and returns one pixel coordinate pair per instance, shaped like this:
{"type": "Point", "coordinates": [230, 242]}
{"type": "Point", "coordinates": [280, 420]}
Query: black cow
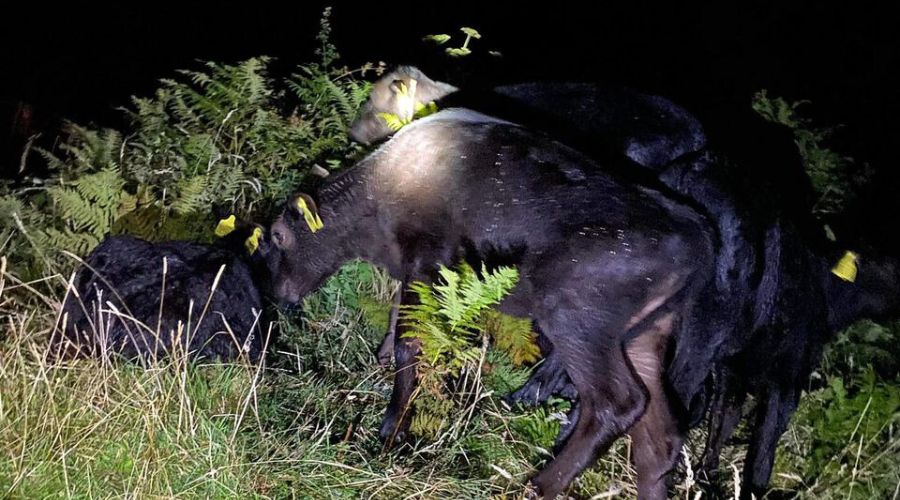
{"type": "Point", "coordinates": [772, 289]}
{"type": "Point", "coordinates": [608, 123]}
{"type": "Point", "coordinates": [665, 143]}
{"type": "Point", "coordinates": [145, 300]}
{"type": "Point", "coordinates": [806, 293]}
{"type": "Point", "coordinates": [607, 268]}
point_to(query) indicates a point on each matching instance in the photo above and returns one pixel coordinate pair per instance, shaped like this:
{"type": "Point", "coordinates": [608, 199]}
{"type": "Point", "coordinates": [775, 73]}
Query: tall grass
{"type": "Point", "coordinates": [304, 425]}
{"type": "Point", "coordinates": [88, 428]}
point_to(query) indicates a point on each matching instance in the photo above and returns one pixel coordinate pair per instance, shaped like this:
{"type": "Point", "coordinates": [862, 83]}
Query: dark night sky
{"type": "Point", "coordinates": [80, 62]}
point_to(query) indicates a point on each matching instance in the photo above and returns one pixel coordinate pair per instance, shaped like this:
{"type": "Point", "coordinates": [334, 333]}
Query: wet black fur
{"type": "Point", "coordinates": [590, 249]}
{"type": "Point", "coordinates": [128, 273]}
{"type": "Point", "coordinates": [773, 289]}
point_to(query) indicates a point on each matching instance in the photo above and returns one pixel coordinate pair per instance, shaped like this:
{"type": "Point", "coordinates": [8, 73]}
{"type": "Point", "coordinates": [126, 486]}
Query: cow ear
{"type": "Point", "coordinates": [254, 241]}
{"type": "Point", "coordinates": [226, 226]}
{"type": "Point", "coordinates": [399, 86]}
{"type": "Point", "coordinates": [300, 202]}
{"type": "Point", "coordinates": [305, 206]}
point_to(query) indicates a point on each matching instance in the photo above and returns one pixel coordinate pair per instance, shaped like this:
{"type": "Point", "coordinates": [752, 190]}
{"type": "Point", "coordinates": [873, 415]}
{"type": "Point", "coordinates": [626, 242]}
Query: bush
{"type": "Point", "coordinates": [228, 135]}
{"type": "Point", "coordinates": [836, 178]}
{"type": "Point", "coordinates": [452, 321]}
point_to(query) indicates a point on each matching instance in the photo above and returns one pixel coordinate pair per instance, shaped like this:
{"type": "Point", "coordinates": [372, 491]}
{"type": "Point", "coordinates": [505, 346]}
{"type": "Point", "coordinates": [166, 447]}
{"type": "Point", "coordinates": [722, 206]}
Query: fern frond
{"type": "Point", "coordinates": [214, 134]}
{"type": "Point", "coordinates": [75, 242]}
{"type": "Point", "coordinates": [190, 195]}
{"type": "Point", "coordinates": [513, 336]}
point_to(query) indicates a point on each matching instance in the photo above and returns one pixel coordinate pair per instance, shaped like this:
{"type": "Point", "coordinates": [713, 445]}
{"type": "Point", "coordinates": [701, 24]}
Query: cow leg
{"type": "Point", "coordinates": [612, 396]}
{"type": "Point", "coordinates": [724, 414]}
{"type": "Point", "coordinates": [566, 429]}
{"type": "Point", "coordinates": [656, 439]}
{"type": "Point", "coordinates": [774, 410]}
{"type": "Point", "coordinates": [386, 349]}
{"type": "Point", "coordinates": [406, 357]}
{"type": "Point", "coordinates": [611, 399]}
{"type": "Point", "coordinates": [550, 378]}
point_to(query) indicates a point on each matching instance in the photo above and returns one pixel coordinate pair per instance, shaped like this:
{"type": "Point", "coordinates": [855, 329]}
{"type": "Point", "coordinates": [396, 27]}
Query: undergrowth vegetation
{"type": "Point", "coordinates": [304, 425]}
{"type": "Point", "coordinates": [229, 136]}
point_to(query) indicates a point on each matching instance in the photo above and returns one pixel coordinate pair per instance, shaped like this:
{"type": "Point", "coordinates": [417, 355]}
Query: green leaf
{"type": "Point", "coordinates": [458, 52]}
{"type": "Point", "coordinates": [472, 32]}
{"type": "Point", "coordinates": [438, 39]}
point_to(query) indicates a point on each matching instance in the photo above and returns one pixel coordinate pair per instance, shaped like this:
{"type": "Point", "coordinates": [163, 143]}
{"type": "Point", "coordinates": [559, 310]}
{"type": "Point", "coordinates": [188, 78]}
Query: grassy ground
{"type": "Point", "coordinates": [305, 425]}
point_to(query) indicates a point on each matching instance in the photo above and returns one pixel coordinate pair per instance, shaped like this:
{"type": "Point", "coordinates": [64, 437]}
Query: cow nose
{"type": "Point", "coordinates": [358, 137]}
{"type": "Point", "coordinates": [284, 294]}
{"type": "Point", "coordinates": [287, 301]}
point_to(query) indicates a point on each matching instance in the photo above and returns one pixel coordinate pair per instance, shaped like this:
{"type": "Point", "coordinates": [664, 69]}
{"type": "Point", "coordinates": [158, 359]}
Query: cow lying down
{"type": "Point", "coordinates": [144, 301]}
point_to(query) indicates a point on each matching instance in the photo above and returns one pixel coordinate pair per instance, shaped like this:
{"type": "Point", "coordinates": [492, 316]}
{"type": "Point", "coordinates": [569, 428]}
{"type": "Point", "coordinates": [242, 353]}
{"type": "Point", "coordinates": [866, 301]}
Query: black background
{"type": "Point", "coordinates": [80, 62]}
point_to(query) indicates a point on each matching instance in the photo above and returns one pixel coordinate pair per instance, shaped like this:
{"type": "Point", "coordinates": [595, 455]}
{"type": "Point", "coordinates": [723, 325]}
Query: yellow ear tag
{"type": "Point", "coordinates": [312, 219]}
{"type": "Point", "coordinates": [410, 109]}
{"type": "Point", "coordinates": [846, 268]}
{"type": "Point", "coordinates": [252, 241]}
{"type": "Point", "coordinates": [225, 226]}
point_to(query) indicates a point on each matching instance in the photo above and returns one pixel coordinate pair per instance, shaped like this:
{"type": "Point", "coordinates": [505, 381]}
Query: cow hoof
{"type": "Point", "coordinates": [549, 379]}
{"type": "Point", "coordinates": [531, 492]}
{"type": "Point", "coordinates": [385, 358]}
{"type": "Point", "coordinates": [386, 350]}
{"type": "Point", "coordinates": [567, 427]}
{"type": "Point", "coordinates": [543, 487]}
{"type": "Point", "coordinates": [391, 433]}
